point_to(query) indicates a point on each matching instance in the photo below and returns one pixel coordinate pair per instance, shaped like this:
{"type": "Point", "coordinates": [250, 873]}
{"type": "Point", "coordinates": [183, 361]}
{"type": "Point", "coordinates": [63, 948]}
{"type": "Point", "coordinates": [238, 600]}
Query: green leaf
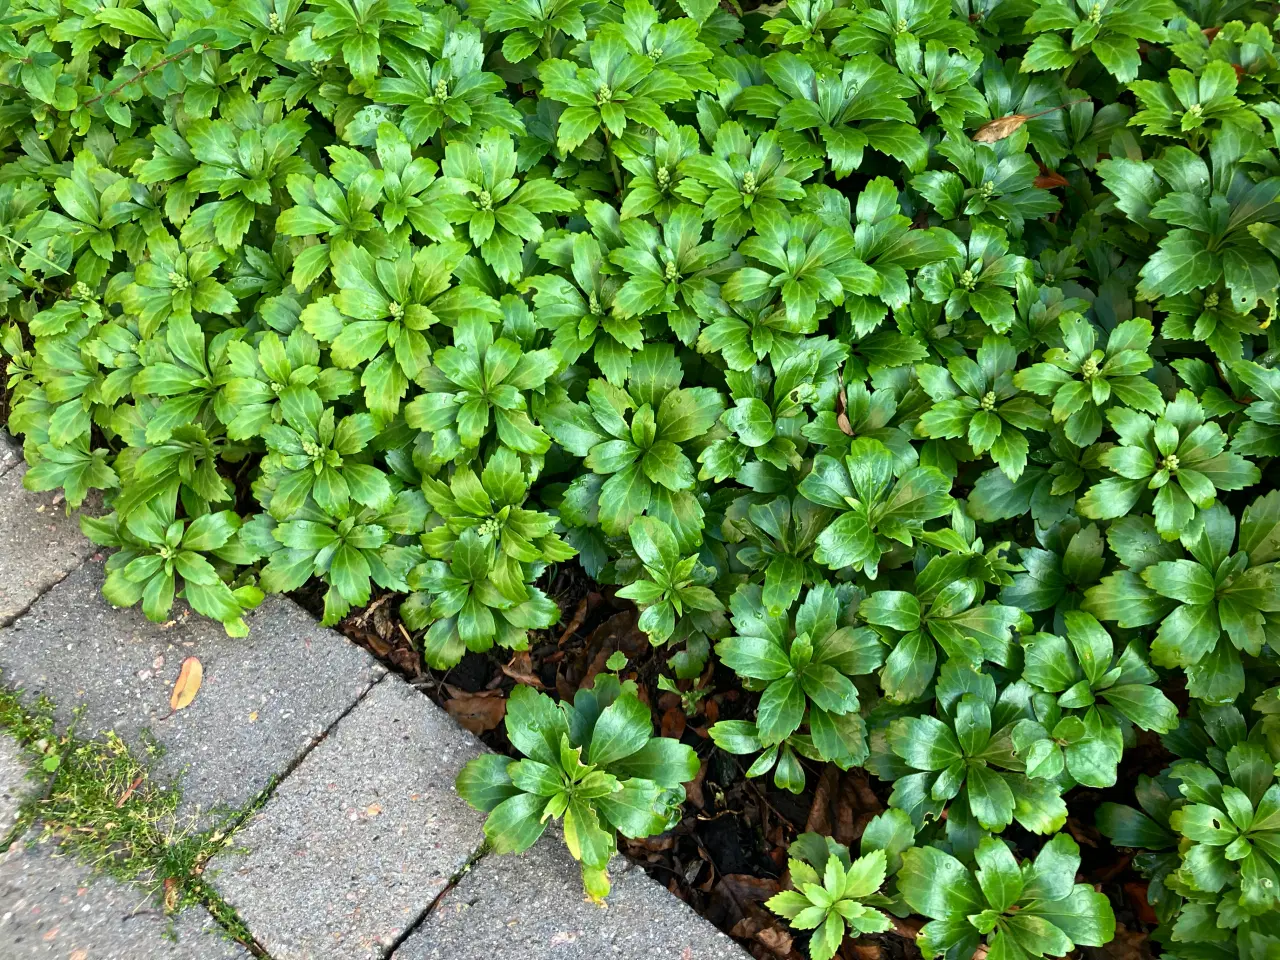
{"type": "Point", "coordinates": [623, 728]}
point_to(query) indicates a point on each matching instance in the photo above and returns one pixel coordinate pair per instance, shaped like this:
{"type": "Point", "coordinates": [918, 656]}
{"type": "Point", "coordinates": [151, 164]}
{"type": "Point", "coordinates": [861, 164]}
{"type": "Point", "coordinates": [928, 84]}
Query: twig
{"type": "Point", "coordinates": [140, 74]}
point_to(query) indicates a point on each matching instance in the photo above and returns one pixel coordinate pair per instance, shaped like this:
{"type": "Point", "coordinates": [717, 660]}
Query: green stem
{"type": "Point", "coordinates": [18, 243]}
{"type": "Point", "coordinates": [613, 161]}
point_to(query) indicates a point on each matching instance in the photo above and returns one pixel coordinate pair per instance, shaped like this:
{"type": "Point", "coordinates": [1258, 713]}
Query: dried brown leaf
{"type": "Point", "coordinates": [1047, 181]}
{"type": "Point", "coordinates": [999, 128]}
{"type": "Point", "coordinates": [520, 669]}
{"type": "Point", "coordinates": [1002, 127]}
{"type": "Point", "coordinates": [477, 712]}
{"type": "Point", "coordinates": [820, 811]}
{"type": "Point", "coordinates": [673, 723]}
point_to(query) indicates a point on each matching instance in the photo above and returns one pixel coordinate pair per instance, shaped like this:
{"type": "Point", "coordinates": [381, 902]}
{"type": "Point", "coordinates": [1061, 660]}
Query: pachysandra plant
{"type": "Point", "coordinates": [944, 611]}
{"type": "Point", "coordinates": [1211, 608]}
{"type": "Point", "coordinates": [835, 894]}
{"type": "Point", "coordinates": [936, 341]}
{"type": "Point", "coordinates": [803, 665]}
{"type": "Point", "coordinates": [669, 587]}
{"type": "Point", "coordinates": [965, 761]}
{"type": "Point", "coordinates": [595, 765]}
{"type": "Point", "coordinates": [1034, 909]}
{"type": "Point", "coordinates": [1089, 698]}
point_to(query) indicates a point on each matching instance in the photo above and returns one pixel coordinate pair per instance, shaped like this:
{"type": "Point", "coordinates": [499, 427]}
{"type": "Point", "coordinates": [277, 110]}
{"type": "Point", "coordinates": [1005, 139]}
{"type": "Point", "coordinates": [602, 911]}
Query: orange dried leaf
{"type": "Point", "coordinates": [999, 128]}
{"type": "Point", "coordinates": [188, 685]}
{"type": "Point", "coordinates": [1002, 127]}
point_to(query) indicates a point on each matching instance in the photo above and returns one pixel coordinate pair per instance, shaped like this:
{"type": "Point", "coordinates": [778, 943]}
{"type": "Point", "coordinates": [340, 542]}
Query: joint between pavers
{"type": "Point", "coordinates": [324, 735]}
{"type": "Point", "coordinates": [15, 617]}
{"type": "Point", "coordinates": [481, 852]}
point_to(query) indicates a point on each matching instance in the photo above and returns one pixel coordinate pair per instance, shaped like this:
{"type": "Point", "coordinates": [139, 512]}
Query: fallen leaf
{"type": "Point", "coordinates": [477, 712]}
{"type": "Point", "coordinates": [171, 892]}
{"type": "Point", "coordinates": [906, 927]}
{"type": "Point", "coordinates": [373, 810]}
{"type": "Point", "coordinates": [1002, 127]}
{"type": "Point", "coordinates": [1047, 181]}
{"type": "Point", "coordinates": [1126, 945]}
{"type": "Point", "coordinates": [819, 820]}
{"type": "Point", "coordinates": [856, 805]}
{"type": "Point", "coordinates": [520, 669]}
{"type": "Point", "coordinates": [779, 941]}
{"type": "Point", "coordinates": [763, 929]}
{"type": "Point", "coordinates": [190, 676]}
{"type": "Point", "coordinates": [253, 716]}
{"type": "Point", "coordinates": [842, 415]}
{"type": "Point", "coordinates": [124, 797]}
{"type": "Point", "coordinates": [999, 128]}
{"type": "Point", "coordinates": [673, 723]}
{"type": "Point", "coordinates": [693, 789]}
{"type": "Point", "coordinates": [579, 616]}
{"type": "Point", "coordinates": [1137, 894]}
{"type": "Point", "coordinates": [745, 888]}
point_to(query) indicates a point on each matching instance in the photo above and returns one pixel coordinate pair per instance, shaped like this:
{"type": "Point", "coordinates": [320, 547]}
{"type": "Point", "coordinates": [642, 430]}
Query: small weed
{"type": "Point", "coordinates": [100, 802]}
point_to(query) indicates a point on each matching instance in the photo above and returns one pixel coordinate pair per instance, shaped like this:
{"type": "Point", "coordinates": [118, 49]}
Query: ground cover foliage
{"type": "Point", "coordinates": [912, 362]}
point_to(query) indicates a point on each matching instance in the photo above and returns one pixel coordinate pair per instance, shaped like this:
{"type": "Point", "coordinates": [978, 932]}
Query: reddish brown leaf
{"type": "Point", "coordinates": [124, 797]}
{"type": "Point", "coordinates": [477, 712]}
{"type": "Point", "coordinates": [1137, 894]}
{"type": "Point", "coordinates": [748, 889]}
{"type": "Point", "coordinates": [1048, 181]}
{"type": "Point", "coordinates": [1126, 945]}
{"type": "Point", "coordinates": [693, 789]}
{"type": "Point", "coordinates": [777, 940]}
{"type": "Point", "coordinates": [820, 811]}
{"type": "Point", "coordinates": [908, 927]}
{"type": "Point", "coordinates": [856, 804]}
{"type": "Point", "coordinates": [673, 722]}
{"type": "Point", "coordinates": [579, 616]}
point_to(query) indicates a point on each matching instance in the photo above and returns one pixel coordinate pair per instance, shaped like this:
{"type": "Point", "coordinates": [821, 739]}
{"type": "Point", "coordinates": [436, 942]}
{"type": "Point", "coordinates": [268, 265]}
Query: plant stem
{"type": "Point", "coordinates": [20, 244]}
{"type": "Point", "coordinates": [159, 64]}
{"type": "Point", "coordinates": [613, 161]}
{"type": "Point", "coordinates": [1061, 106]}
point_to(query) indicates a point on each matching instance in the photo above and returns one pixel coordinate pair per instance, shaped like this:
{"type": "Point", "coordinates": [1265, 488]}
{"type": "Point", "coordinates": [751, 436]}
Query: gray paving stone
{"type": "Point", "coordinates": [264, 701]}
{"type": "Point", "coordinates": [50, 907]}
{"type": "Point", "coordinates": [355, 845]}
{"type": "Point", "coordinates": [15, 787]}
{"type": "Point", "coordinates": [39, 543]}
{"type": "Point", "coordinates": [532, 907]}
{"type": "Point", "coordinates": [10, 452]}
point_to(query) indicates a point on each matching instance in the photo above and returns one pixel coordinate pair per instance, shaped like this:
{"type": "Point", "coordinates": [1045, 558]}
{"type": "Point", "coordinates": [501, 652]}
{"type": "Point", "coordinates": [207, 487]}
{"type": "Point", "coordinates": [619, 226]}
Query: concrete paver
{"type": "Point", "coordinates": [355, 845]}
{"type": "Point", "coordinates": [532, 907]}
{"type": "Point", "coordinates": [264, 701]}
{"type": "Point", "coordinates": [50, 908]}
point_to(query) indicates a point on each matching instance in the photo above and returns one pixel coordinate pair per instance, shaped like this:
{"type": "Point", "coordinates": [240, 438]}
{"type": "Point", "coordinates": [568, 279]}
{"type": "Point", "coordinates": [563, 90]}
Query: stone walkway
{"type": "Point", "coordinates": [361, 850]}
